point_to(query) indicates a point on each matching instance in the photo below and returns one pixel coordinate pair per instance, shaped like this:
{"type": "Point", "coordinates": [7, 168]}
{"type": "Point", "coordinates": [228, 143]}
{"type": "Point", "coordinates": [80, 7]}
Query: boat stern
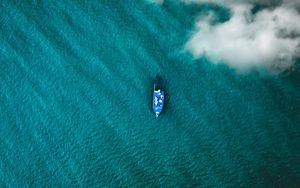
{"type": "Point", "coordinates": [156, 114]}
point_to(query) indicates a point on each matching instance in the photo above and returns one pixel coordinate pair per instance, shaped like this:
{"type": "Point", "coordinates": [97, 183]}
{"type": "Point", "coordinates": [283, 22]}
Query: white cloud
{"type": "Point", "coordinates": [270, 38]}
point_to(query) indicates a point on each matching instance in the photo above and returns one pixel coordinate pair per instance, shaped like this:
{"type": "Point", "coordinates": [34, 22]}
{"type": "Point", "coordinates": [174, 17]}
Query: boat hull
{"type": "Point", "coordinates": [158, 101]}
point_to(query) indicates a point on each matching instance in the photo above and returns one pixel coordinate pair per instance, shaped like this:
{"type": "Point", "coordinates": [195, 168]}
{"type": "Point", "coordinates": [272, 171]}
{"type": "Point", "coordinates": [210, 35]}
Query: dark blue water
{"type": "Point", "coordinates": [75, 102]}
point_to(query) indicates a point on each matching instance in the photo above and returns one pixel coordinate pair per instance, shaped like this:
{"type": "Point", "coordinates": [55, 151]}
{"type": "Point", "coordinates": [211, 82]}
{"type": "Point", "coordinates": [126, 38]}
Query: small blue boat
{"type": "Point", "coordinates": [158, 100]}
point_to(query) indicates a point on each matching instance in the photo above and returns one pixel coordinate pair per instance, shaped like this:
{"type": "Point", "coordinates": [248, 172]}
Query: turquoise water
{"type": "Point", "coordinates": [75, 102]}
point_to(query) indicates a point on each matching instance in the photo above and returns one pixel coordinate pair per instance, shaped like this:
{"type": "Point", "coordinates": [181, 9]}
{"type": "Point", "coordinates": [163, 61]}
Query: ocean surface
{"type": "Point", "coordinates": [76, 80]}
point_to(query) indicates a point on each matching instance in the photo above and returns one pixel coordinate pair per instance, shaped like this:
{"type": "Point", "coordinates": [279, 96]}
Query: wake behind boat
{"type": "Point", "coordinates": [158, 99]}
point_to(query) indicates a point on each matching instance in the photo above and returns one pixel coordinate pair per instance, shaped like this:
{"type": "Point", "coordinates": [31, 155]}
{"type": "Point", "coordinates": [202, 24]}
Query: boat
{"type": "Point", "coordinates": [158, 100]}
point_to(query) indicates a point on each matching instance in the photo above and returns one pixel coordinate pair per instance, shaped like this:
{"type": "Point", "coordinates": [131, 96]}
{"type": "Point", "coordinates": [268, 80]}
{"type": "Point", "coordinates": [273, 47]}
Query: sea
{"type": "Point", "coordinates": [76, 85]}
